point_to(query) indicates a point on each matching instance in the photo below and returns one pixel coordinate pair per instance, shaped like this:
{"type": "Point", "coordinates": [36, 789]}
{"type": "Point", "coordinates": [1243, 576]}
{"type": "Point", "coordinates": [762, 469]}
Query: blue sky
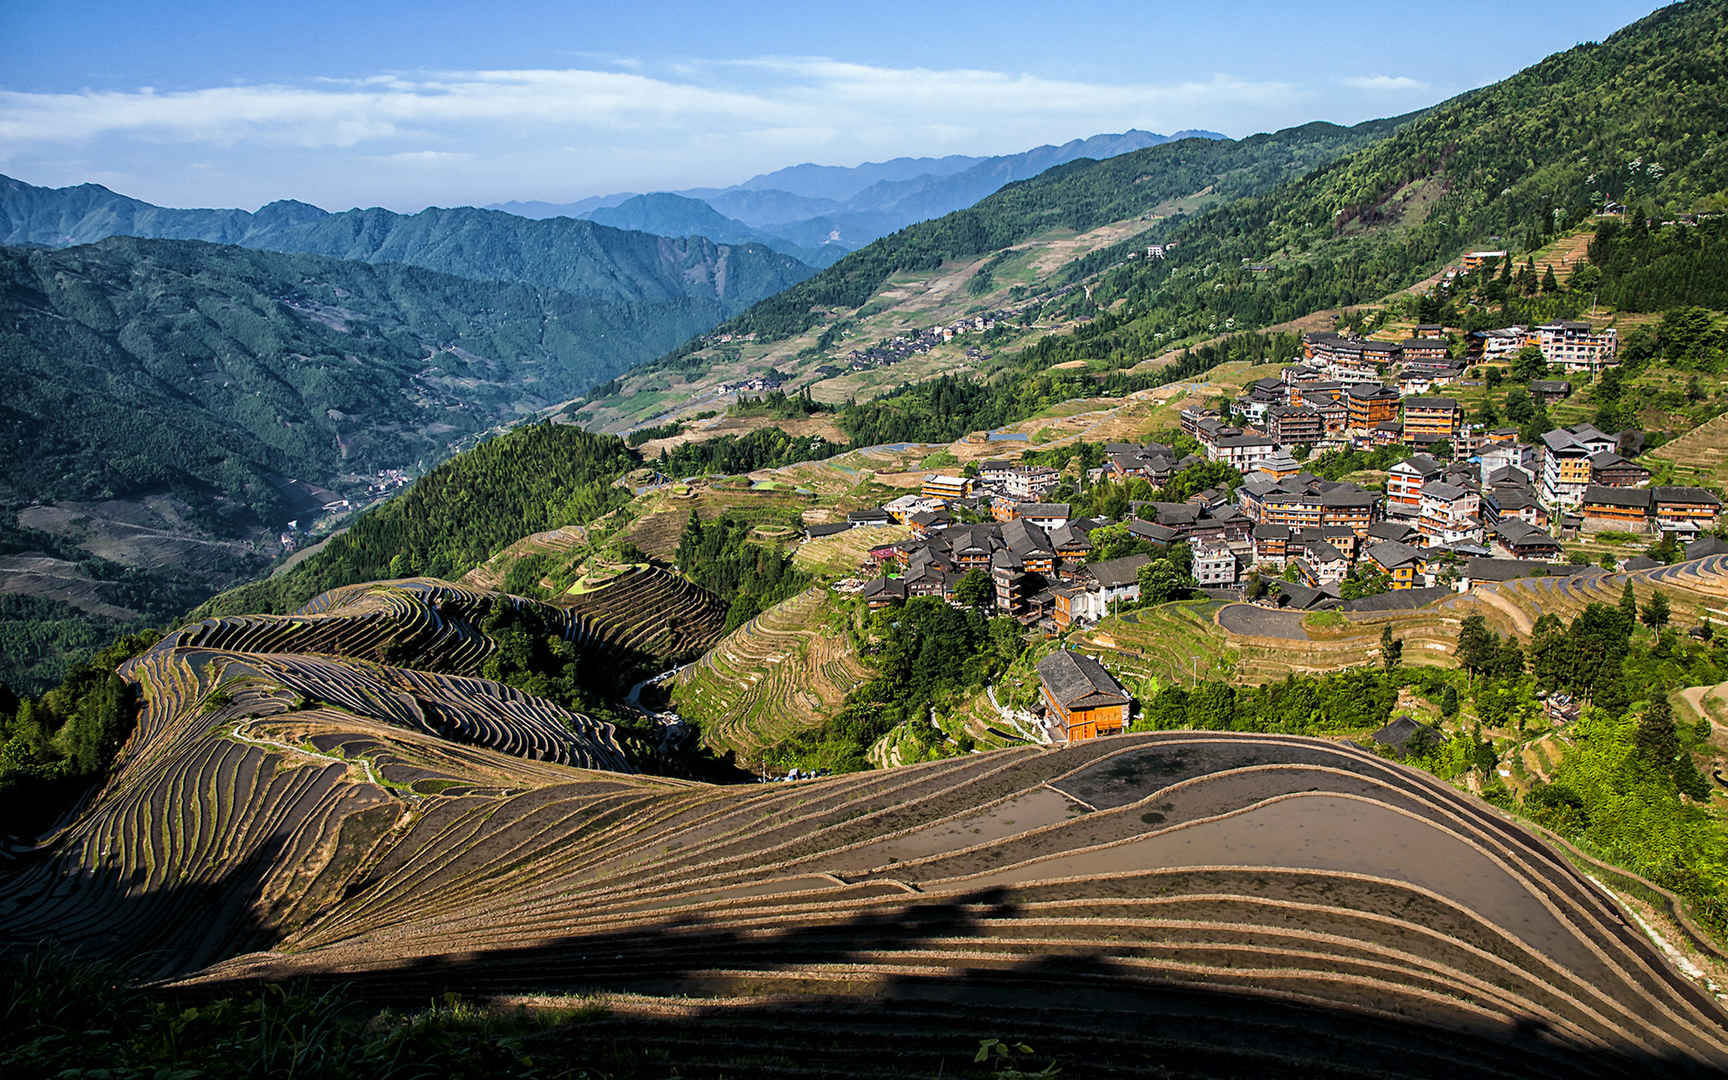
{"type": "Point", "coordinates": [410, 104]}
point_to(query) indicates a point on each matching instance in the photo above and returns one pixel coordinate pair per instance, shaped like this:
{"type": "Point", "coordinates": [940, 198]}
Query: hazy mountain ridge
{"type": "Point", "coordinates": [575, 256]}
{"type": "Point", "coordinates": [667, 214]}
{"type": "Point", "coordinates": [822, 208]}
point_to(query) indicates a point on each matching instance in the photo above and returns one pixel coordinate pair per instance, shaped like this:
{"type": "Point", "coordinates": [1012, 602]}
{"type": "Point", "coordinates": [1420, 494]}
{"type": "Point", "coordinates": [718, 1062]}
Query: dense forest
{"type": "Point", "coordinates": [1646, 266]}
{"type": "Point", "coordinates": [750, 577]}
{"type": "Point", "coordinates": [763, 448]}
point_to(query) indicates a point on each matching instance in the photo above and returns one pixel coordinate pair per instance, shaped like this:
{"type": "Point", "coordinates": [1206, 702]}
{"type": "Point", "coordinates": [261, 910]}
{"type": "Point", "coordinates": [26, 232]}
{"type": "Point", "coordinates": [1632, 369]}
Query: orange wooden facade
{"type": "Point", "coordinates": [1087, 723]}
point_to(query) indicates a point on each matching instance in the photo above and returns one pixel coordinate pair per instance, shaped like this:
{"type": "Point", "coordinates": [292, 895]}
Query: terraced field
{"type": "Point", "coordinates": [786, 669]}
{"type": "Point", "coordinates": [1182, 642]}
{"type": "Point", "coordinates": [842, 553]}
{"type": "Point", "coordinates": [1205, 903]}
{"type": "Point", "coordinates": [650, 614]}
{"type": "Point", "coordinates": [1170, 643]}
{"type": "Point", "coordinates": [665, 514]}
{"type": "Point", "coordinates": [1700, 456]}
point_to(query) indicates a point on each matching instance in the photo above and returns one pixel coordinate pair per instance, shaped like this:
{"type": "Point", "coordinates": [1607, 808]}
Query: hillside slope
{"type": "Point", "coordinates": [932, 273]}
{"type": "Point", "coordinates": [1219, 902]}
{"type": "Point", "coordinates": [1635, 119]}
{"type": "Point", "coordinates": [172, 405]}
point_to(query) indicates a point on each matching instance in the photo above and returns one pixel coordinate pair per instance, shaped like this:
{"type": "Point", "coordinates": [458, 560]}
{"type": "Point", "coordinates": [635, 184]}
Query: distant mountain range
{"type": "Point", "coordinates": [580, 257]}
{"type": "Point", "coordinates": [820, 212]}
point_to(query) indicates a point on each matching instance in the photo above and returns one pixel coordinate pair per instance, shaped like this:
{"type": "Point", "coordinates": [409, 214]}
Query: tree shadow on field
{"type": "Point", "coordinates": [1095, 1014]}
{"type": "Point", "coordinates": [107, 916]}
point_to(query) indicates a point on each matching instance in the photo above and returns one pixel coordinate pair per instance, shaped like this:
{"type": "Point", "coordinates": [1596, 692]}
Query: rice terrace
{"type": "Point", "coordinates": [1042, 566]}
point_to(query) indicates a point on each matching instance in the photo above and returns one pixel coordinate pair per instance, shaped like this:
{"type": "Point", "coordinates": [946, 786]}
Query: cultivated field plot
{"type": "Point", "coordinates": [667, 512]}
{"type": "Point", "coordinates": [843, 553]}
{"type": "Point", "coordinates": [649, 617]}
{"type": "Point", "coordinates": [1700, 456]}
{"type": "Point", "coordinates": [786, 669]}
{"type": "Point", "coordinates": [1231, 904]}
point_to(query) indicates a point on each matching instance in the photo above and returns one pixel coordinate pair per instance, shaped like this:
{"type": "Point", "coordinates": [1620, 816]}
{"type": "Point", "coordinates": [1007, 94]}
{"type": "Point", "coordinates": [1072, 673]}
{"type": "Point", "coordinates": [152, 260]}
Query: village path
{"type": "Point", "coordinates": [1022, 722]}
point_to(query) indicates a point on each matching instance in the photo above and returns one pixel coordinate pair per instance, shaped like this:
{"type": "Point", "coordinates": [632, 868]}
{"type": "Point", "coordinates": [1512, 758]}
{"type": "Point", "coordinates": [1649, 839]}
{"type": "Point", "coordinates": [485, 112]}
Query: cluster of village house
{"type": "Point", "coordinates": [896, 349]}
{"type": "Point", "coordinates": [1492, 508]}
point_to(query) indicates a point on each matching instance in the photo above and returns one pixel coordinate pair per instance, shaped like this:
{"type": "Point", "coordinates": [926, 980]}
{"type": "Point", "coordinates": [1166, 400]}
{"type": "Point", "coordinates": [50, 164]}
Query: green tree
{"type": "Point", "coordinates": [1529, 363]}
{"type": "Point", "coordinates": [1656, 611]}
{"type": "Point", "coordinates": [1629, 604]}
{"type": "Point", "coordinates": [1656, 741]}
{"type": "Point", "coordinates": [974, 589]}
{"type": "Point", "coordinates": [1478, 647]}
{"type": "Point", "coordinates": [1162, 580]}
{"type": "Point", "coordinates": [1391, 648]}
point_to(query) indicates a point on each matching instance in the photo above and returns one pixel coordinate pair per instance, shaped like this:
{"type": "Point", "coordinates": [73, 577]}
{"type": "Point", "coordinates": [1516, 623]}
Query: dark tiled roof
{"type": "Point", "coordinates": [1077, 679]}
{"type": "Point", "coordinates": [1597, 495]}
{"type": "Point", "coordinates": [1686, 495]}
{"type": "Point", "coordinates": [1116, 573]}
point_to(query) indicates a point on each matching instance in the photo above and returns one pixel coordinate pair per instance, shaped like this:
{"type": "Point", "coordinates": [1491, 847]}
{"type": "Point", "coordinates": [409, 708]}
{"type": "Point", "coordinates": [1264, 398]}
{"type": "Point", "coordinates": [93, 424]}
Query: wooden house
{"type": "Point", "coordinates": [1083, 698]}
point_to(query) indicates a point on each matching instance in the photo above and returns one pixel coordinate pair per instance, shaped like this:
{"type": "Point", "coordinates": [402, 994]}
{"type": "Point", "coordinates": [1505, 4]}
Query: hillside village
{"type": "Point", "coordinates": [1462, 503]}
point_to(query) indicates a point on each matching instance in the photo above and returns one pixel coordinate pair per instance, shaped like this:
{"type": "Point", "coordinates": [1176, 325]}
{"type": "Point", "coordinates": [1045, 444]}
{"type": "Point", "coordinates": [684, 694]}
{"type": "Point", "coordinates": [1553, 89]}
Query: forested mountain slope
{"type": "Point", "coordinates": [1005, 252]}
{"type": "Point", "coordinates": [1636, 119]}
{"type": "Point", "coordinates": [1078, 196]}
{"type": "Point", "coordinates": [562, 253]}
{"type": "Point", "coordinates": [162, 394]}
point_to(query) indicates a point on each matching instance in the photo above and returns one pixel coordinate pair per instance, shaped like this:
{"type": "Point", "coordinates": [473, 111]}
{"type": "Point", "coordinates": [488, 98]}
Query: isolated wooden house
{"type": "Point", "coordinates": [1083, 698]}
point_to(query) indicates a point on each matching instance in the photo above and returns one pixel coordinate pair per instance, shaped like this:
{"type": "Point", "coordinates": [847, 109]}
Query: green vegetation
{"type": "Point", "coordinates": [779, 405]}
{"type": "Point", "coordinates": [729, 455]}
{"type": "Point", "coordinates": [1643, 266]}
{"type": "Point", "coordinates": [750, 577]}
{"type": "Point", "coordinates": [54, 746]}
{"type": "Point", "coordinates": [529, 480]}
{"type": "Point", "coordinates": [926, 654]}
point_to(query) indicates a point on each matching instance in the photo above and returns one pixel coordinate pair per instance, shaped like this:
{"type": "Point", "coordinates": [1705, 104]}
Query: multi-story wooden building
{"type": "Point", "coordinates": [1405, 479]}
{"type": "Point", "coordinates": [1082, 698]}
{"type": "Point", "coordinates": [1295, 425]}
{"type": "Point", "coordinates": [1684, 510]}
{"type": "Point", "coordinates": [1430, 419]}
{"type": "Point", "coordinates": [1369, 404]}
{"type": "Point", "coordinates": [1623, 509]}
{"type": "Point", "coordinates": [1426, 348]}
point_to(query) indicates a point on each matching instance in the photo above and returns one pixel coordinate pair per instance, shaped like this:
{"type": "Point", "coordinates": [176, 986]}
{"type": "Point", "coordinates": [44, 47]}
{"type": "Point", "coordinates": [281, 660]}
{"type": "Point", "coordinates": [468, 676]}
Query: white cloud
{"type": "Point", "coordinates": [424, 156]}
{"type": "Point", "coordinates": [1382, 83]}
{"type": "Point", "coordinates": [784, 95]}
{"type": "Point", "coordinates": [606, 124]}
